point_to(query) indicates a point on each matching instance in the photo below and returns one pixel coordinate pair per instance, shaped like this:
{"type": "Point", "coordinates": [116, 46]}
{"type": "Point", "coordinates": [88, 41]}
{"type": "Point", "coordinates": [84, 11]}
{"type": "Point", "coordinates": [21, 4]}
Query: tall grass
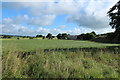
{"type": "Point", "coordinates": [64, 64]}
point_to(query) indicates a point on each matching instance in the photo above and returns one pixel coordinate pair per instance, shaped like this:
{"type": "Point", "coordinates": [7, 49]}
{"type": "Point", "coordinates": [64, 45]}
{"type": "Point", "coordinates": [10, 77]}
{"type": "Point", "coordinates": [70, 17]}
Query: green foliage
{"type": "Point", "coordinates": [93, 33]}
{"type": "Point", "coordinates": [87, 36]}
{"type": "Point", "coordinates": [59, 36]}
{"type": "Point", "coordinates": [39, 36]}
{"type": "Point", "coordinates": [117, 35]}
{"type": "Point", "coordinates": [62, 36]}
{"type": "Point", "coordinates": [18, 38]}
{"type": "Point", "coordinates": [43, 37]}
{"type": "Point", "coordinates": [6, 36]}
{"type": "Point", "coordinates": [114, 14]}
{"type": "Point", "coordinates": [114, 37]}
{"type": "Point", "coordinates": [110, 36]}
{"type": "Point", "coordinates": [49, 36]}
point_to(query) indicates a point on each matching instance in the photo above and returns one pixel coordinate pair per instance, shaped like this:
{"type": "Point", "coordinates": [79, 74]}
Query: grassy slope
{"type": "Point", "coordinates": [33, 44]}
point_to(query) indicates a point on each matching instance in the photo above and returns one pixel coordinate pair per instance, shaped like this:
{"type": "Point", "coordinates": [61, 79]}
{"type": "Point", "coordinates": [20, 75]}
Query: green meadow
{"type": "Point", "coordinates": [33, 44]}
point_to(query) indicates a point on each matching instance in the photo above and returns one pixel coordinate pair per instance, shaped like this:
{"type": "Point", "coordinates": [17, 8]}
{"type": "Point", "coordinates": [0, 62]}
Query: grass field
{"type": "Point", "coordinates": [93, 63]}
{"type": "Point", "coordinates": [33, 44]}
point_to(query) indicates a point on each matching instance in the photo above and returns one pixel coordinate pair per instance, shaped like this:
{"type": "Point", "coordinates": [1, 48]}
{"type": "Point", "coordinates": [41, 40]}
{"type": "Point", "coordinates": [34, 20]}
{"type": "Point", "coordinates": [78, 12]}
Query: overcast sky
{"type": "Point", "coordinates": [55, 16]}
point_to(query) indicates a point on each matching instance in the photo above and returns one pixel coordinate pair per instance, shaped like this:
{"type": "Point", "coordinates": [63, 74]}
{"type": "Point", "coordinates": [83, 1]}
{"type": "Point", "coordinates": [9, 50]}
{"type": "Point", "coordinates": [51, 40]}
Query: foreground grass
{"type": "Point", "coordinates": [78, 64]}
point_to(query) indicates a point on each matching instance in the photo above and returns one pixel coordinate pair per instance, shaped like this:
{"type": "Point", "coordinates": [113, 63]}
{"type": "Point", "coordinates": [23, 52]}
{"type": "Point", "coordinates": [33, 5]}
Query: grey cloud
{"type": "Point", "coordinates": [89, 21]}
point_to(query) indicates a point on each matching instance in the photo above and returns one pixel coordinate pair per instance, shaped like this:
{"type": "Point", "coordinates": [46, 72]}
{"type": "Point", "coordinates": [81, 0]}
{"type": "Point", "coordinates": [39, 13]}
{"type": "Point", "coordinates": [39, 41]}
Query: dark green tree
{"type": "Point", "coordinates": [49, 36]}
{"type": "Point", "coordinates": [93, 33]}
{"type": "Point", "coordinates": [43, 37]}
{"type": "Point", "coordinates": [6, 36]}
{"type": "Point", "coordinates": [64, 35]}
{"type": "Point", "coordinates": [18, 38]}
{"type": "Point", "coordinates": [87, 36]}
{"type": "Point", "coordinates": [114, 14]}
{"type": "Point", "coordinates": [39, 36]}
{"type": "Point", "coordinates": [59, 36]}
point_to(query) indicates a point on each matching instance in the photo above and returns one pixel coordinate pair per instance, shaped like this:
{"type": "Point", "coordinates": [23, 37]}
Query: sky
{"type": "Point", "coordinates": [32, 17]}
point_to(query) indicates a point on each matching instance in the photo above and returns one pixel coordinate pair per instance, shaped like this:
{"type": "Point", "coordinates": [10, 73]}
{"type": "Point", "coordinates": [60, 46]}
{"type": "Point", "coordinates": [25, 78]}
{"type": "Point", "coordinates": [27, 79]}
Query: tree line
{"type": "Point", "coordinates": [83, 36]}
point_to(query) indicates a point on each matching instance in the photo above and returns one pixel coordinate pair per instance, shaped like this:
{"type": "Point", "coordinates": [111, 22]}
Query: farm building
{"type": "Point", "coordinates": [72, 37]}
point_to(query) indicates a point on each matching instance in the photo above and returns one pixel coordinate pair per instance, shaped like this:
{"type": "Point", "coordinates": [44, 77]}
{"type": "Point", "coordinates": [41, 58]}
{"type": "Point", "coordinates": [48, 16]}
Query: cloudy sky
{"type": "Point", "coordinates": [55, 16]}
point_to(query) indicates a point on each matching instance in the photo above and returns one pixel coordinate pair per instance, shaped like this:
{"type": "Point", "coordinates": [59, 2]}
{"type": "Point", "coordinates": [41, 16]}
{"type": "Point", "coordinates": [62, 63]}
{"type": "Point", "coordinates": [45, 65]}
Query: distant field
{"type": "Point", "coordinates": [33, 44]}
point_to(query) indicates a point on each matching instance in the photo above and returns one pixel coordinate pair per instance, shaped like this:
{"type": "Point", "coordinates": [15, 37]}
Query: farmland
{"type": "Point", "coordinates": [25, 58]}
{"type": "Point", "coordinates": [60, 40]}
{"type": "Point", "coordinates": [33, 44]}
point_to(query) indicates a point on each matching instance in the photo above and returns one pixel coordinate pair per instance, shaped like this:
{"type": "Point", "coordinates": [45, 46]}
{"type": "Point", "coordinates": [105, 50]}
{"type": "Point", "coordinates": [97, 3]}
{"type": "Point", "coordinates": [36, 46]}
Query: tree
{"type": "Point", "coordinates": [53, 36]}
{"type": "Point", "coordinates": [59, 36]}
{"type": "Point", "coordinates": [39, 36]}
{"type": "Point", "coordinates": [80, 37]}
{"type": "Point", "coordinates": [114, 14]}
{"type": "Point", "coordinates": [43, 37]}
{"type": "Point", "coordinates": [49, 36]}
{"type": "Point", "coordinates": [64, 36]}
{"type": "Point", "coordinates": [87, 36]}
{"type": "Point", "coordinates": [18, 38]}
{"type": "Point", "coordinates": [93, 33]}
{"type": "Point", "coordinates": [6, 36]}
